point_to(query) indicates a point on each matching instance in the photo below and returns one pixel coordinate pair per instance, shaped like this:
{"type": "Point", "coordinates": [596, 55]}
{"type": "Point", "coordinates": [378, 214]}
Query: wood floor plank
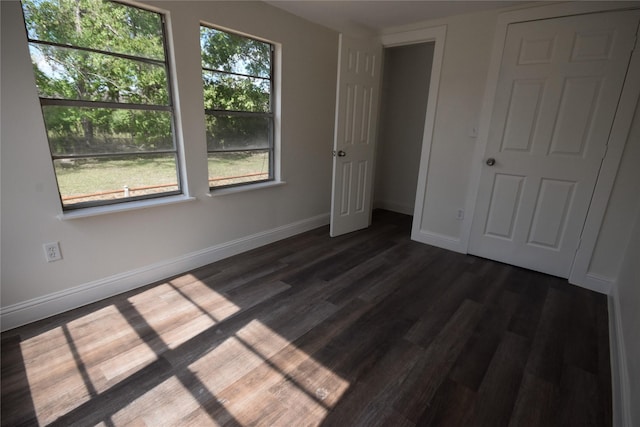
{"type": "Point", "coordinates": [339, 262]}
{"type": "Point", "coordinates": [368, 396]}
{"type": "Point", "coordinates": [473, 362]}
{"type": "Point", "coordinates": [604, 367]}
{"type": "Point", "coordinates": [536, 404]}
{"type": "Point", "coordinates": [16, 406]}
{"type": "Point", "coordinates": [367, 329]}
{"type": "Point", "coordinates": [446, 303]}
{"type": "Point", "coordinates": [525, 319]}
{"type": "Point", "coordinates": [231, 278]}
{"type": "Point", "coordinates": [356, 348]}
{"type": "Point", "coordinates": [384, 416]}
{"type": "Point", "coordinates": [452, 405]}
{"type": "Point", "coordinates": [497, 393]}
{"type": "Point", "coordinates": [581, 348]}
{"type": "Point", "coordinates": [547, 349]}
{"type": "Point", "coordinates": [418, 265]}
{"type": "Point", "coordinates": [579, 404]}
{"type": "Point", "coordinates": [432, 370]}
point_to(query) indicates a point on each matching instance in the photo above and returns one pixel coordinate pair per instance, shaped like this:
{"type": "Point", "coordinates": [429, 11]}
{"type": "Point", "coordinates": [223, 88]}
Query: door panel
{"type": "Point", "coordinates": [503, 209]}
{"type": "Point", "coordinates": [354, 143]}
{"type": "Point", "coordinates": [550, 212]}
{"type": "Point", "coordinates": [522, 117]}
{"type": "Point", "coordinates": [559, 85]}
{"type": "Point", "coordinates": [577, 104]}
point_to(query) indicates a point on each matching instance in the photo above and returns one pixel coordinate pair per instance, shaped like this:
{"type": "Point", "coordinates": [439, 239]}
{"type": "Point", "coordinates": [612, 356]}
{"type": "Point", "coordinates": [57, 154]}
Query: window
{"type": "Point", "coordinates": [237, 73]}
{"type": "Point", "coordinates": [104, 86]}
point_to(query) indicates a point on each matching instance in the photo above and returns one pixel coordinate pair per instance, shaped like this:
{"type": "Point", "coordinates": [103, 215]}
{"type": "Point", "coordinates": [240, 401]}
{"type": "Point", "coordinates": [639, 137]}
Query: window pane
{"type": "Point", "coordinates": [96, 24]}
{"type": "Point", "coordinates": [104, 155]}
{"type": "Point", "coordinates": [237, 100]}
{"type": "Point", "coordinates": [66, 73]}
{"type": "Point", "coordinates": [238, 167]}
{"type": "Point", "coordinates": [232, 53]}
{"type": "Point", "coordinates": [86, 131]}
{"type": "Point", "coordinates": [100, 179]}
{"type": "Point", "coordinates": [236, 93]}
{"type": "Point", "coordinates": [237, 132]}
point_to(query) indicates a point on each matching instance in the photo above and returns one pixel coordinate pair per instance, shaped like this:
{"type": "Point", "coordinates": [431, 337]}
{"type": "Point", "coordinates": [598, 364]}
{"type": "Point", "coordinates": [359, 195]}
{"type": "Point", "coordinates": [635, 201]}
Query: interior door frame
{"type": "Point", "coordinates": [437, 35]}
{"type": "Point", "coordinates": [622, 122]}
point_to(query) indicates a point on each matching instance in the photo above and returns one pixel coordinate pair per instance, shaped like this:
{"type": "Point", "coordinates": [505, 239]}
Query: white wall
{"type": "Point", "coordinates": [626, 297]}
{"type": "Point", "coordinates": [104, 248]}
{"type": "Point", "coordinates": [467, 51]}
{"type": "Point", "coordinates": [463, 76]}
{"type": "Point", "coordinates": [405, 88]}
{"type": "Point", "coordinates": [614, 233]}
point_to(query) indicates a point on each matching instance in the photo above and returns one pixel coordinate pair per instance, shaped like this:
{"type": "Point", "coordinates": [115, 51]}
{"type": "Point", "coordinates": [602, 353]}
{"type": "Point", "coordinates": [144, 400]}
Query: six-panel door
{"type": "Point", "coordinates": [559, 86]}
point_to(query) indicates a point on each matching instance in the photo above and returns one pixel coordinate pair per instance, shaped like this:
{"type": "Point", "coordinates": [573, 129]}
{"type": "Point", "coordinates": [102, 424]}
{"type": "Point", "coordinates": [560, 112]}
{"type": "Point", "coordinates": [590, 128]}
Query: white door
{"type": "Point", "coordinates": [559, 86]}
{"type": "Point", "coordinates": [359, 66]}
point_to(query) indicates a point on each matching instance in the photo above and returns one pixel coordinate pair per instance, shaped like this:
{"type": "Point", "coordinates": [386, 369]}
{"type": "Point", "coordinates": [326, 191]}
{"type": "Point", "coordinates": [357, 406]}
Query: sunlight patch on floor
{"type": "Point", "coordinates": [307, 375]}
{"type": "Point", "coordinates": [167, 404]}
{"type": "Point", "coordinates": [252, 375]}
{"type": "Point", "coordinates": [216, 305]}
{"type": "Point", "coordinates": [94, 343]}
{"type": "Point", "coordinates": [162, 305]}
{"type": "Point", "coordinates": [261, 378]}
{"type": "Point", "coordinates": [56, 384]}
{"type": "Point", "coordinates": [224, 365]}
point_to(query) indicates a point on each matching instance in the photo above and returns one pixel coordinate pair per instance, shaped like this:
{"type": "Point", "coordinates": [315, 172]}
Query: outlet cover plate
{"type": "Point", "coordinates": [52, 251]}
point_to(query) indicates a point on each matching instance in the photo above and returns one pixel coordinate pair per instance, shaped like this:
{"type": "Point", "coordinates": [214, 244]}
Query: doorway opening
{"type": "Point", "coordinates": [403, 105]}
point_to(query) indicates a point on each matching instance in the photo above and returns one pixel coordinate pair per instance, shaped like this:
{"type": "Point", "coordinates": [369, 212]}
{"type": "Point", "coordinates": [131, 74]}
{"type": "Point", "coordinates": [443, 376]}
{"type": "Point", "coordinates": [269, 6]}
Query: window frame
{"type": "Point", "coordinates": [81, 103]}
{"type": "Point", "coordinates": [270, 115]}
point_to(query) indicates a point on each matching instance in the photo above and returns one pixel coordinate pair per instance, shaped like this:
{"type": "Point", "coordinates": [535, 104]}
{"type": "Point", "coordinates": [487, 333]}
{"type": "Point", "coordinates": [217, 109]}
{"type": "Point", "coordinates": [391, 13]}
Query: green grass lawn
{"type": "Point", "coordinates": [231, 165]}
{"type": "Point", "coordinates": [106, 175]}
{"type": "Point", "coordinates": [90, 177]}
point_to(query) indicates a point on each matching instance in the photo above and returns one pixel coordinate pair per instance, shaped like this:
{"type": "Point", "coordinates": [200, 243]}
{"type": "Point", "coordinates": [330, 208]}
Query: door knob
{"type": "Point", "coordinates": [491, 161]}
{"type": "Point", "coordinates": [340, 153]}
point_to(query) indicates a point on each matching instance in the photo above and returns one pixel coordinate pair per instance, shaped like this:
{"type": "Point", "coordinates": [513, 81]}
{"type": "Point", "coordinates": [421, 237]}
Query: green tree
{"type": "Point", "coordinates": [60, 31]}
{"type": "Point", "coordinates": [236, 77]}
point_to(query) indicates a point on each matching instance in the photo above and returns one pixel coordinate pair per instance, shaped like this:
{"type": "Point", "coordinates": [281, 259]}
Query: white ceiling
{"type": "Point", "coordinates": [377, 15]}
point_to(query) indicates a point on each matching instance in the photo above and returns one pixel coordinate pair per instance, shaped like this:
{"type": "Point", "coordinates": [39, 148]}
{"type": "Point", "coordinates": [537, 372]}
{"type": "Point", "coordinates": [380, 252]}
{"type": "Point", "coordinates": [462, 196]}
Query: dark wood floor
{"type": "Point", "coordinates": [362, 330]}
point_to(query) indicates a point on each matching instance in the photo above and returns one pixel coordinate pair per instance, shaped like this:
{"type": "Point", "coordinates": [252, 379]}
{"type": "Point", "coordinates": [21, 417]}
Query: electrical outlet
{"type": "Point", "coordinates": [52, 251]}
{"type": "Point", "coordinates": [460, 214]}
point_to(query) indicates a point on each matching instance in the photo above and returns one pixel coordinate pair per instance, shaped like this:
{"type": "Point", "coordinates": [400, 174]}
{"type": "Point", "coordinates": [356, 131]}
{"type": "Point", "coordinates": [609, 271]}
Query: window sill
{"type": "Point", "coordinates": [123, 207]}
{"type": "Point", "coordinates": [243, 188]}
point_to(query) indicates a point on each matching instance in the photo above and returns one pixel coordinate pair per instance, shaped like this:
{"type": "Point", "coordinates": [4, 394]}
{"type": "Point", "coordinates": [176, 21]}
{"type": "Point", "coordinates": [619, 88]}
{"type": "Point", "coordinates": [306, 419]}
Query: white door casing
{"type": "Point", "coordinates": [556, 97]}
{"type": "Point", "coordinates": [359, 69]}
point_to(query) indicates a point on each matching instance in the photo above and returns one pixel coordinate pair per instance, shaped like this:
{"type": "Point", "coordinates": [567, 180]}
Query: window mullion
{"type": "Point", "coordinates": [100, 51]}
{"type": "Point", "coordinates": [103, 104]}
{"type": "Point", "coordinates": [104, 155]}
{"type": "Point", "coordinates": [238, 113]}
{"type": "Point", "coordinates": [213, 70]}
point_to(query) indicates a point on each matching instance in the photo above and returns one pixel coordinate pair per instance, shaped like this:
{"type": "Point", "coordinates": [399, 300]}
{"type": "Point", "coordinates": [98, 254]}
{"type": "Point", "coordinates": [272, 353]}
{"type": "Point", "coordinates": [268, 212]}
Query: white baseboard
{"type": "Point", "coordinates": [393, 207]}
{"type": "Point", "coordinates": [42, 307]}
{"type": "Point", "coordinates": [620, 391]}
{"type": "Point", "coordinates": [593, 282]}
{"type": "Point", "coordinates": [439, 240]}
